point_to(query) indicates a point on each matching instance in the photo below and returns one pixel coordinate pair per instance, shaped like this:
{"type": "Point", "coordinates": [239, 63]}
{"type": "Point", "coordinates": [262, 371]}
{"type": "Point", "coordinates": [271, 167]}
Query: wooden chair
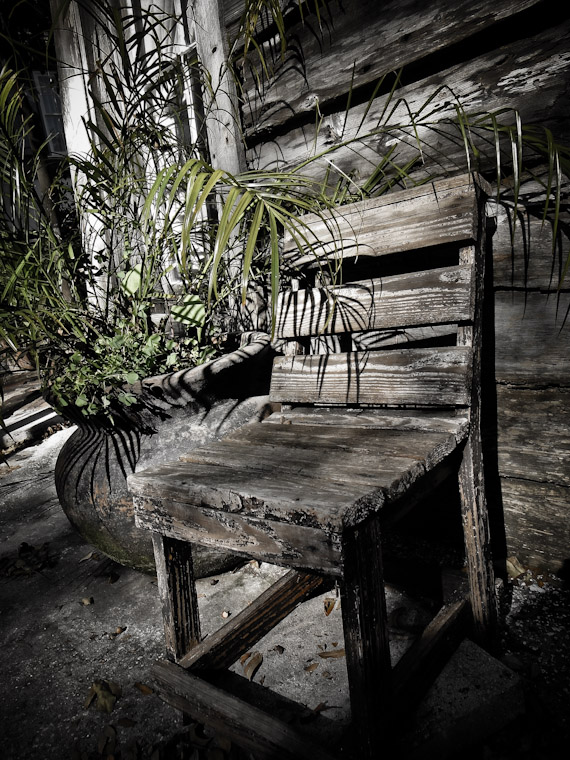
{"type": "Point", "coordinates": [381, 406]}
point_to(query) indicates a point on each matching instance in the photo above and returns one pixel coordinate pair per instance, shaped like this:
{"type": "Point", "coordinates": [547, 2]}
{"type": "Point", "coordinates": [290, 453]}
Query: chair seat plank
{"type": "Point", "coordinates": [375, 447]}
{"type": "Point", "coordinates": [426, 376]}
{"type": "Point", "coordinates": [280, 480]}
{"type": "Point", "coordinates": [284, 543]}
{"type": "Point", "coordinates": [312, 464]}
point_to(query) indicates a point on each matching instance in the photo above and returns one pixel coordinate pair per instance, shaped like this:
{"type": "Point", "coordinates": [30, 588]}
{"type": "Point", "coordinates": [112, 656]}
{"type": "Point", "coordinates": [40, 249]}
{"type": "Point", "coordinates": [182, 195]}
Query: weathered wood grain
{"type": "Point", "coordinates": [366, 639]}
{"type": "Point", "coordinates": [529, 75]}
{"type": "Point", "coordinates": [532, 338]}
{"type": "Point", "coordinates": [438, 295]}
{"type": "Point", "coordinates": [534, 434]}
{"type": "Point", "coordinates": [361, 42]}
{"type": "Point", "coordinates": [223, 647]}
{"type": "Point", "coordinates": [472, 494]}
{"type": "Point", "coordinates": [537, 522]}
{"type": "Point", "coordinates": [422, 376]}
{"type": "Point", "coordinates": [417, 669]}
{"type": "Point", "coordinates": [317, 462]}
{"type": "Point", "coordinates": [524, 257]}
{"type": "Point", "coordinates": [224, 143]}
{"type": "Point", "coordinates": [177, 591]}
{"type": "Point", "coordinates": [373, 340]}
{"type": "Point", "coordinates": [247, 726]}
{"type": "Point", "coordinates": [374, 418]}
{"type": "Point", "coordinates": [303, 481]}
{"type": "Point", "coordinates": [419, 217]}
{"type": "Point", "coordinates": [297, 546]}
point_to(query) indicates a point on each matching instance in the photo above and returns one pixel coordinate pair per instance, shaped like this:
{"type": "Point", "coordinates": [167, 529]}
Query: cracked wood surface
{"type": "Point", "coordinates": [299, 488]}
{"type": "Point", "coordinates": [432, 214]}
{"type": "Point", "coordinates": [386, 37]}
{"type": "Point", "coordinates": [422, 376]}
{"type": "Point", "coordinates": [395, 301]}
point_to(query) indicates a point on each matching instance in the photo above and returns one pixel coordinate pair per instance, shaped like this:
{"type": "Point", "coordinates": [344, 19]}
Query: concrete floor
{"type": "Point", "coordinates": [79, 634]}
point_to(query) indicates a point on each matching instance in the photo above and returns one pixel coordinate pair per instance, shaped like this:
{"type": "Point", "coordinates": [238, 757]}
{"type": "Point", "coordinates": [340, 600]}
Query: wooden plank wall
{"type": "Point", "coordinates": [491, 54]}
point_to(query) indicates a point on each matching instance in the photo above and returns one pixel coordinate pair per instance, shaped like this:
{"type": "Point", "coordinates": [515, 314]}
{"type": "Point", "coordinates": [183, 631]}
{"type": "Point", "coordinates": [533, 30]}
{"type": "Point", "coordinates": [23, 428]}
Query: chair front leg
{"type": "Point", "coordinates": [366, 634]}
{"type": "Point", "coordinates": [177, 589]}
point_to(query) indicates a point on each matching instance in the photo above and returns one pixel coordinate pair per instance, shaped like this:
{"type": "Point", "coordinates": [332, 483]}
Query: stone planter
{"type": "Point", "coordinates": [189, 408]}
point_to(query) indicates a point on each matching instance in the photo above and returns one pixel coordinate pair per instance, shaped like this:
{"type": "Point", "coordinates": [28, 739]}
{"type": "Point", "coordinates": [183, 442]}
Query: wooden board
{"type": "Point", "coordinates": [534, 434]}
{"type": "Point", "coordinates": [223, 647]}
{"type": "Point", "coordinates": [436, 377]}
{"type": "Point", "coordinates": [286, 485]}
{"type": "Point", "coordinates": [360, 41]}
{"type": "Point", "coordinates": [526, 257]}
{"type": "Point", "coordinates": [373, 418]}
{"type": "Point", "coordinates": [419, 217]}
{"type": "Point", "coordinates": [532, 340]}
{"type": "Point", "coordinates": [537, 522]}
{"type": "Point", "coordinates": [247, 726]}
{"type": "Point", "coordinates": [297, 546]}
{"type": "Point", "coordinates": [530, 75]}
{"type": "Point", "coordinates": [437, 295]}
{"type": "Point", "coordinates": [374, 340]}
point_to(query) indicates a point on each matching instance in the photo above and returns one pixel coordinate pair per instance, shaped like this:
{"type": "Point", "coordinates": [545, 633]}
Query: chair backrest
{"type": "Point", "coordinates": [402, 328]}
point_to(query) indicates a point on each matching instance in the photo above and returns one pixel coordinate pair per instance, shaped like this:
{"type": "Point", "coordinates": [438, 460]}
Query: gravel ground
{"type": "Point", "coordinates": [534, 642]}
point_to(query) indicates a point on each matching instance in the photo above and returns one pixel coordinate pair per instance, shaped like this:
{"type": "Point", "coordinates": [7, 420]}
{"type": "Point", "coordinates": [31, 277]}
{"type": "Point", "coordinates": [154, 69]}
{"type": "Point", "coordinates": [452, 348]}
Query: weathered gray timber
{"type": "Point", "coordinates": [532, 341]}
{"type": "Point", "coordinates": [524, 415]}
{"type": "Point", "coordinates": [491, 81]}
{"type": "Point", "coordinates": [380, 42]}
{"type": "Point", "coordinates": [310, 487]}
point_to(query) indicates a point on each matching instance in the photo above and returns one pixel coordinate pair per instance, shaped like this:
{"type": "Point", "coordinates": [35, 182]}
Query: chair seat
{"type": "Point", "coordinates": [298, 484]}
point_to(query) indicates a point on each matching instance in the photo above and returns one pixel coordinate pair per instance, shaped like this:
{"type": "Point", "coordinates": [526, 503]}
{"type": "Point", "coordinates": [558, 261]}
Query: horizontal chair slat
{"type": "Point", "coordinates": [440, 296]}
{"type": "Point", "coordinates": [416, 218]}
{"type": "Point", "coordinates": [431, 377]}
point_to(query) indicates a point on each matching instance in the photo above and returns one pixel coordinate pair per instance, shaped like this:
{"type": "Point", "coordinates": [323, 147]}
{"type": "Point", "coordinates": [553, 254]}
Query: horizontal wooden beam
{"type": "Point", "coordinates": [247, 726]}
{"type": "Point", "coordinates": [432, 214]}
{"type": "Point", "coordinates": [397, 301]}
{"type": "Point", "coordinates": [434, 376]}
{"type": "Point", "coordinates": [422, 663]}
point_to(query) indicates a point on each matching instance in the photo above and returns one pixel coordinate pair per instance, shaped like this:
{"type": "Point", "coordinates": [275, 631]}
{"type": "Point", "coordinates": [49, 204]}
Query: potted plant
{"type": "Point", "coordinates": [126, 305]}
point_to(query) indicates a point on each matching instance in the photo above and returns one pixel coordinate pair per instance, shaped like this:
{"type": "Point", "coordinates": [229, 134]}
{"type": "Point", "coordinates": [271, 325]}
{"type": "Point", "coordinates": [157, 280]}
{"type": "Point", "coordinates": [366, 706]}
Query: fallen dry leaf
{"type": "Point", "coordinates": [143, 688]}
{"type": "Point", "coordinates": [252, 665]}
{"type": "Point", "coordinates": [514, 567]}
{"type": "Point", "coordinates": [117, 632]}
{"type": "Point", "coordinates": [311, 667]}
{"type": "Point", "coordinates": [244, 657]}
{"type": "Point", "coordinates": [279, 649]}
{"type": "Point", "coordinates": [332, 653]}
{"type": "Point", "coordinates": [105, 694]}
{"type": "Point", "coordinates": [329, 604]}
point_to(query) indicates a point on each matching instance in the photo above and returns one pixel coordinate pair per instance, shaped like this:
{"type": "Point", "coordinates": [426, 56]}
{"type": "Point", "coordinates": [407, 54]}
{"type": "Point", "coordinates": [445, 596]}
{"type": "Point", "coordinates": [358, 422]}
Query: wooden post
{"type": "Point", "coordinates": [471, 474]}
{"type": "Point", "coordinates": [366, 634]}
{"type": "Point", "coordinates": [222, 119]}
{"type": "Point", "coordinates": [177, 589]}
